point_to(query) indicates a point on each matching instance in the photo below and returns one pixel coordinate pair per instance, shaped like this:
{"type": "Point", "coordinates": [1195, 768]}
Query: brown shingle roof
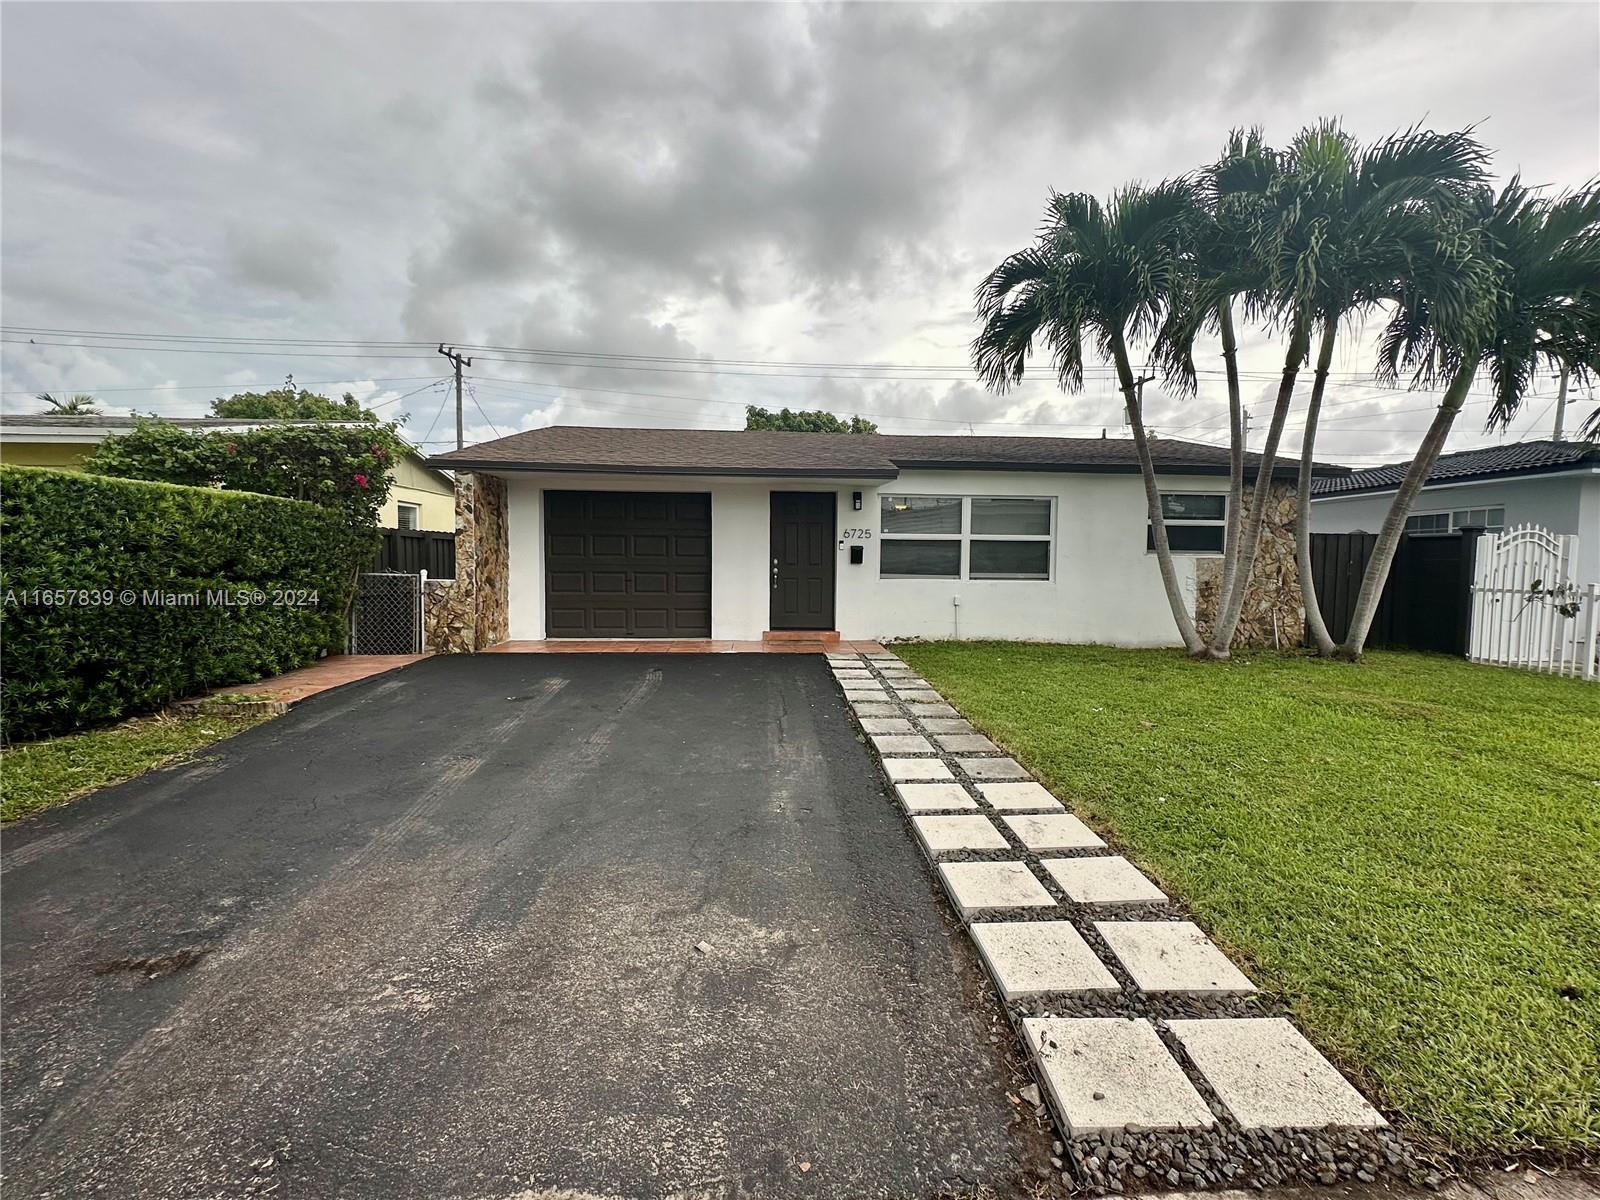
{"type": "Point", "coordinates": [867, 456]}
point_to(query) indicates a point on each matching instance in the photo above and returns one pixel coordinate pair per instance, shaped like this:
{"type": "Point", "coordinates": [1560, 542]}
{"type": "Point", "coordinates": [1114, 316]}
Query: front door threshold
{"type": "Point", "coordinates": [801, 635]}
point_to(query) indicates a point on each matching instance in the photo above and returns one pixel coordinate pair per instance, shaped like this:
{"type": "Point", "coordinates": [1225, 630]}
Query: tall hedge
{"type": "Point", "coordinates": [98, 641]}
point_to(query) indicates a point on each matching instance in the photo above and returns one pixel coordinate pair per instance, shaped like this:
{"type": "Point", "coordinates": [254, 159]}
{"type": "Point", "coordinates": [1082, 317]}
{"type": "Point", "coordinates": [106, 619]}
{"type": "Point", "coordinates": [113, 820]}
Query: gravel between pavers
{"type": "Point", "coordinates": [1137, 1160]}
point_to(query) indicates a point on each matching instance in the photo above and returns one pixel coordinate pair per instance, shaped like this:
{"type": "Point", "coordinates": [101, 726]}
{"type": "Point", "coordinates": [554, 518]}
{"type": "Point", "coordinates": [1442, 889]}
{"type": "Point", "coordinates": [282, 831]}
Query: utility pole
{"type": "Point", "coordinates": [1561, 403]}
{"type": "Point", "coordinates": [458, 362]}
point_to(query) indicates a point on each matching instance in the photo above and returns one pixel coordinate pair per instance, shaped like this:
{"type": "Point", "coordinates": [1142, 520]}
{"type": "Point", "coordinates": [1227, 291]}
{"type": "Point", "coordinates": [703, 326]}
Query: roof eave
{"type": "Point", "coordinates": [524, 466]}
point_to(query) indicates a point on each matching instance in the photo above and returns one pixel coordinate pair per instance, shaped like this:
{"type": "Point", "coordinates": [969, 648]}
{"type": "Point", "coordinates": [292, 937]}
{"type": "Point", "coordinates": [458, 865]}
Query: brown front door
{"type": "Point", "coordinates": [802, 560]}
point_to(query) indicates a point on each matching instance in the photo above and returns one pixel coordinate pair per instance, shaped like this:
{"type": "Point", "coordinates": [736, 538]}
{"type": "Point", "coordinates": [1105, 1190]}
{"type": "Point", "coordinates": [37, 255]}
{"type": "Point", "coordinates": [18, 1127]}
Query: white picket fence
{"type": "Point", "coordinates": [1521, 585]}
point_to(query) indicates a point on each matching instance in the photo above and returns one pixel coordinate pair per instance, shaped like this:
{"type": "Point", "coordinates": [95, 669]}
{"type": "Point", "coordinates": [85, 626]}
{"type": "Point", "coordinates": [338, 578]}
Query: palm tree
{"type": "Point", "coordinates": [1223, 271]}
{"type": "Point", "coordinates": [81, 405]}
{"type": "Point", "coordinates": [1103, 271]}
{"type": "Point", "coordinates": [1348, 227]}
{"type": "Point", "coordinates": [1542, 313]}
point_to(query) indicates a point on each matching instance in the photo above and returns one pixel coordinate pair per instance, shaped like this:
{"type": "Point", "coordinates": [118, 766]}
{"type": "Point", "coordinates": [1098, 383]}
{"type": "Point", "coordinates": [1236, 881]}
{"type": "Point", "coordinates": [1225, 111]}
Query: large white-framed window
{"type": "Point", "coordinates": [1197, 522]}
{"type": "Point", "coordinates": [965, 537]}
{"type": "Point", "coordinates": [1491, 519]}
{"type": "Point", "coordinates": [410, 515]}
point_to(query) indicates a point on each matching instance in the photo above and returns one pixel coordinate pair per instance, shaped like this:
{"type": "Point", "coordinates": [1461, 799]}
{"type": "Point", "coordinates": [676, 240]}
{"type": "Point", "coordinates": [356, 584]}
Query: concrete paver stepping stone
{"type": "Point", "coordinates": [1173, 957]}
{"type": "Point", "coordinates": [933, 797]}
{"type": "Point", "coordinates": [1020, 797]}
{"type": "Point", "coordinates": [923, 709]}
{"type": "Point", "coordinates": [1269, 1077]}
{"type": "Point", "coordinates": [1044, 832]}
{"type": "Point", "coordinates": [842, 676]}
{"type": "Point", "coordinates": [885, 725]}
{"type": "Point", "coordinates": [1105, 879]}
{"type": "Point", "coordinates": [965, 831]}
{"type": "Point", "coordinates": [992, 768]}
{"type": "Point", "coordinates": [967, 743]}
{"type": "Point", "coordinates": [902, 743]}
{"type": "Point", "coordinates": [1108, 1072]}
{"type": "Point", "coordinates": [985, 886]}
{"type": "Point", "coordinates": [919, 695]}
{"type": "Point", "coordinates": [872, 707]}
{"type": "Point", "coordinates": [907, 770]}
{"type": "Point", "coordinates": [948, 725]}
{"type": "Point", "coordinates": [884, 656]}
{"type": "Point", "coordinates": [845, 659]}
{"type": "Point", "coordinates": [862, 690]}
{"type": "Point", "coordinates": [1028, 958]}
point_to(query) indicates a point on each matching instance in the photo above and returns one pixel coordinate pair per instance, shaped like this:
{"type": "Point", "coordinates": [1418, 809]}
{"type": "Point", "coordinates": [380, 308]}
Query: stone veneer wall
{"type": "Point", "coordinates": [471, 611]}
{"type": "Point", "coordinates": [1273, 613]}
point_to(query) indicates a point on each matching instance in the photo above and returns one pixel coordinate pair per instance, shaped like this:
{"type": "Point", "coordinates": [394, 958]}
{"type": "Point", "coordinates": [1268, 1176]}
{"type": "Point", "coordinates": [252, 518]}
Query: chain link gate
{"type": "Point", "coordinates": [387, 616]}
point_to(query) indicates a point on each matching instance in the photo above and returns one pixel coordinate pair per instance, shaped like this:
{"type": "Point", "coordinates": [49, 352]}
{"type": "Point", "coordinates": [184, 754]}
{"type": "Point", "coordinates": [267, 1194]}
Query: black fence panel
{"type": "Point", "coordinates": [1427, 601]}
{"type": "Point", "coordinates": [413, 550]}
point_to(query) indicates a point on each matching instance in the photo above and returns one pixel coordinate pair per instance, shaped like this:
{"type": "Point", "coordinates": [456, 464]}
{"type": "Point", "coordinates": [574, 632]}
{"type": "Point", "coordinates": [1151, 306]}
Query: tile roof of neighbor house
{"type": "Point", "coordinates": [1489, 463]}
{"type": "Point", "coordinates": [871, 455]}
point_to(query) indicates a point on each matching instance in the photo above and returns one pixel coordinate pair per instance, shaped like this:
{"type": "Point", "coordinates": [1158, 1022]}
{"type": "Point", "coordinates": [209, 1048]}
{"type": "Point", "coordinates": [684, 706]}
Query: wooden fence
{"type": "Point", "coordinates": [1528, 611]}
{"type": "Point", "coordinates": [1426, 603]}
{"type": "Point", "coordinates": [412, 550]}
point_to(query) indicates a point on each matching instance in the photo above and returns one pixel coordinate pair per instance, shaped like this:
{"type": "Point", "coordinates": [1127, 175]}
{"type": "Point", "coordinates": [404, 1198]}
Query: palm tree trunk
{"type": "Point", "coordinates": [1222, 634]}
{"type": "Point", "coordinates": [1230, 545]}
{"type": "Point", "coordinates": [1377, 573]}
{"type": "Point", "coordinates": [1152, 495]}
{"type": "Point", "coordinates": [1302, 510]}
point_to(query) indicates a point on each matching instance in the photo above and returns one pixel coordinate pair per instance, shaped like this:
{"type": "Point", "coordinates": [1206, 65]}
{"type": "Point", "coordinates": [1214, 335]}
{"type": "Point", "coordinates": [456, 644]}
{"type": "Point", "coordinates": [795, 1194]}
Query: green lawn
{"type": "Point", "coordinates": [40, 775]}
{"type": "Point", "coordinates": [1407, 851]}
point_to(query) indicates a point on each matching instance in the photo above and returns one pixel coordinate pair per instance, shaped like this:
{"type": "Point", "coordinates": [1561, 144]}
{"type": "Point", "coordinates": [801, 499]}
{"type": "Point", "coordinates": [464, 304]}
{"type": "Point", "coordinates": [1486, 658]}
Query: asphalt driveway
{"type": "Point", "coordinates": [435, 934]}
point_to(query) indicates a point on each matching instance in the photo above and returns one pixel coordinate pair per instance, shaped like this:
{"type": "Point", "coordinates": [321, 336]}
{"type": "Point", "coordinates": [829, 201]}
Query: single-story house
{"type": "Point", "coordinates": [1552, 484]}
{"type": "Point", "coordinates": [420, 497]}
{"type": "Point", "coordinates": [690, 533]}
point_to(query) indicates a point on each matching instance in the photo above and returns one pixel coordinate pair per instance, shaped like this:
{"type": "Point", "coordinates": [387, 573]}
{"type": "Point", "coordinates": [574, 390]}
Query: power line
{"type": "Point", "coordinates": [197, 387]}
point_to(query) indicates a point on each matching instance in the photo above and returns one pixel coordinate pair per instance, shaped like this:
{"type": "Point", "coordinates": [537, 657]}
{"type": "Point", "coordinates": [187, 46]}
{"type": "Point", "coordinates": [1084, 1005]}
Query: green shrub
{"type": "Point", "coordinates": [94, 656]}
{"type": "Point", "coordinates": [343, 467]}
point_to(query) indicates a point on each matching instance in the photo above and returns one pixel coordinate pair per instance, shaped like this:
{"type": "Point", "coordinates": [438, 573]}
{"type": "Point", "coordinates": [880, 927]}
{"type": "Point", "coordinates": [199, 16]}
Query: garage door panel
{"type": "Point", "coordinates": [628, 564]}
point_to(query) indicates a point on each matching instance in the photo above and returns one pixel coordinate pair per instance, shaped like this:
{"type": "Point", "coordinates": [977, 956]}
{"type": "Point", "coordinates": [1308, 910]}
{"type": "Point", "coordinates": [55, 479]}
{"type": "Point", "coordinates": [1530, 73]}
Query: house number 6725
{"type": "Point", "coordinates": [857, 535]}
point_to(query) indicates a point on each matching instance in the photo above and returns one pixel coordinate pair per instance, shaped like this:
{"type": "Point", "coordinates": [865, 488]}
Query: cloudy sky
{"type": "Point", "coordinates": [636, 190]}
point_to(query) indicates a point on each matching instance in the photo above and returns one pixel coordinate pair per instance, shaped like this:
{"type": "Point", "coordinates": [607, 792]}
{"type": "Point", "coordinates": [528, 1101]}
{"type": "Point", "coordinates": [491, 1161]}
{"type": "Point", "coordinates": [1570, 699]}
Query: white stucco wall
{"type": "Point", "coordinates": [1565, 502]}
{"type": "Point", "coordinates": [1104, 587]}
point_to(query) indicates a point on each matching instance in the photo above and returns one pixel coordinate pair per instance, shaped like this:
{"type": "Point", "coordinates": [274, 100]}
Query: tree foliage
{"type": "Point", "coordinates": [801, 421]}
{"type": "Point", "coordinates": [81, 405]}
{"type": "Point", "coordinates": [289, 403]}
{"type": "Point", "coordinates": [346, 468]}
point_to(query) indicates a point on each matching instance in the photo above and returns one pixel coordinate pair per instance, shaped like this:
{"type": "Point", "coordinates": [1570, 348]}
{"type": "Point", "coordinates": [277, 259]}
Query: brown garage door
{"type": "Point", "coordinates": [628, 564]}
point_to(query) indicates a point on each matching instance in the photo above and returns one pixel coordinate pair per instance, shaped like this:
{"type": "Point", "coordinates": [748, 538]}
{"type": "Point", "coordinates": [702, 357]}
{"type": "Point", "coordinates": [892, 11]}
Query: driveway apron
{"type": "Point", "coordinates": [624, 925]}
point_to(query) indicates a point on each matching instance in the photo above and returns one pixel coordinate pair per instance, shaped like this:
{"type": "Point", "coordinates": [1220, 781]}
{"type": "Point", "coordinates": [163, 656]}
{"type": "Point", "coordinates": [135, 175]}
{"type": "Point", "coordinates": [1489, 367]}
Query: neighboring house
{"type": "Point", "coordinates": [1552, 484]}
{"type": "Point", "coordinates": [419, 498]}
{"type": "Point", "coordinates": [653, 533]}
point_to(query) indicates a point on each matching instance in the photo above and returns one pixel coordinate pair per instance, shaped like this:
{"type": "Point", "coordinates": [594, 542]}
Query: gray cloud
{"type": "Point", "coordinates": [810, 183]}
{"type": "Point", "coordinates": [285, 258]}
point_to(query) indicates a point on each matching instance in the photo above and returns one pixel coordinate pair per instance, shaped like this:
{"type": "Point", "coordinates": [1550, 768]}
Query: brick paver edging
{"type": "Point", "coordinates": [1155, 1053]}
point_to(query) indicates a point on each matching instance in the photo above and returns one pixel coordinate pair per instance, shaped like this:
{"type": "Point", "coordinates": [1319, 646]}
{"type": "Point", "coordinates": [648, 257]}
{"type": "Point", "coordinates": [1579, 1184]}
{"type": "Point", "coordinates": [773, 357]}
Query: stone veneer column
{"type": "Point", "coordinates": [1274, 612]}
{"type": "Point", "coordinates": [469, 612]}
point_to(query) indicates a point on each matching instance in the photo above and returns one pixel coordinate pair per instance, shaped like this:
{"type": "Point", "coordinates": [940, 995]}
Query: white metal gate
{"type": "Point", "coordinates": [1527, 611]}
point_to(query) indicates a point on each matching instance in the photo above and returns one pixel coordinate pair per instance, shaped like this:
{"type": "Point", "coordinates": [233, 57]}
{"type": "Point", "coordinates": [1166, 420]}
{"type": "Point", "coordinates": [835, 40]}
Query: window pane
{"type": "Point", "coordinates": [1010, 560]}
{"type": "Point", "coordinates": [408, 516]}
{"type": "Point", "coordinates": [921, 514]}
{"type": "Point", "coordinates": [1428, 523]}
{"type": "Point", "coordinates": [1191, 539]}
{"type": "Point", "coordinates": [934, 560]}
{"type": "Point", "coordinates": [1011, 516]}
{"type": "Point", "coordinates": [1185, 506]}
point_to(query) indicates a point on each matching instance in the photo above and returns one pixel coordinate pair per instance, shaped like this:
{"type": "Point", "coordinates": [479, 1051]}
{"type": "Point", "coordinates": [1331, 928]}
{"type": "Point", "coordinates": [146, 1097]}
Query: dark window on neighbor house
{"type": "Point", "coordinates": [1491, 519]}
{"type": "Point", "coordinates": [1196, 522]}
{"type": "Point", "coordinates": [410, 515]}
